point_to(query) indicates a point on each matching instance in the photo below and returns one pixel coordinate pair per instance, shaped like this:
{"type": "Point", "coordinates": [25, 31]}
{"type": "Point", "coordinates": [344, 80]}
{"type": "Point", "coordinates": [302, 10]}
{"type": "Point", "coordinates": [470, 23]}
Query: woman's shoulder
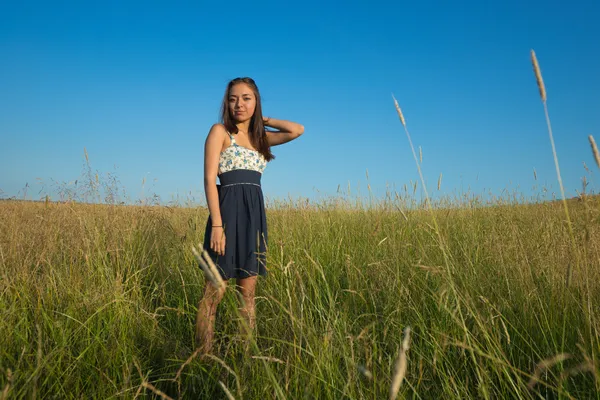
{"type": "Point", "coordinates": [218, 131]}
{"type": "Point", "coordinates": [218, 127]}
{"type": "Point", "coordinates": [219, 136]}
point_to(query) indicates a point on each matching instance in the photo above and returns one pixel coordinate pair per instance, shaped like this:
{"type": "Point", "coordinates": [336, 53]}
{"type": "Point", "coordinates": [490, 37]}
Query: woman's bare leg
{"type": "Point", "coordinates": [246, 288]}
{"type": "Point", "coordinates": [205, 319]}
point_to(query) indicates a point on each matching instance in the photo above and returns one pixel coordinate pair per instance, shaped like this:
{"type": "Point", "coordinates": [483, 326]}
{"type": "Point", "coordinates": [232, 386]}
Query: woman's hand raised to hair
{"type": "Point", "coordinates": [286, 131]}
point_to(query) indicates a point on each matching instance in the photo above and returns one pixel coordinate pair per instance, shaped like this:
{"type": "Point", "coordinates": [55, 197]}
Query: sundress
{"type": "Point", "coordinates": [243, 214]}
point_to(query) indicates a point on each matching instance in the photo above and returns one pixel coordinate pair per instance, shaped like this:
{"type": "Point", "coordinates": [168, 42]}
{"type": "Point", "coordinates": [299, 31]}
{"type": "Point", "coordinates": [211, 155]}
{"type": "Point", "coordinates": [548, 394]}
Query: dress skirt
{"type": "Point", "coordinates": [245, 224]}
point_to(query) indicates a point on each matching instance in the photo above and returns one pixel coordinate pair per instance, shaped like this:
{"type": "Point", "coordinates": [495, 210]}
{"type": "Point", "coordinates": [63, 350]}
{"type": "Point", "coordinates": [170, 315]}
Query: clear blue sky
{"type": "Point", "coordinates": [139, 84]}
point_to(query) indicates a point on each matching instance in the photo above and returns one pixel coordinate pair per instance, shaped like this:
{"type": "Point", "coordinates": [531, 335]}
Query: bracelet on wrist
{"type": "Point", "coordinates": [217, 226]}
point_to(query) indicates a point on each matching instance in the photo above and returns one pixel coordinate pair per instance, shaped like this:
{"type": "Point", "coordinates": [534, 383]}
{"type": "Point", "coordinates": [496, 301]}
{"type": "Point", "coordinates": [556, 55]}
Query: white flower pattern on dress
{"type": "Point", "coordinates": [239, 157]}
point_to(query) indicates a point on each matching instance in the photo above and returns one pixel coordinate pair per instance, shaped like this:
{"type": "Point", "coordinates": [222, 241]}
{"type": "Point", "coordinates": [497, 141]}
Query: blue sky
{"type": "Point", "coordinates": [139, 84]}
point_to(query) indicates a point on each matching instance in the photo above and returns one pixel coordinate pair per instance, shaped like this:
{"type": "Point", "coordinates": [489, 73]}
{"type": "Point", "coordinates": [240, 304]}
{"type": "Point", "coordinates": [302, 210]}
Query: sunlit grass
{"type": "Point", "coordinates": [98, 299]}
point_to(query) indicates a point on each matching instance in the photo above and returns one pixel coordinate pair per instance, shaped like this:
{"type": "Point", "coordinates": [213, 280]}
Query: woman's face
{"type": "Point", "coordinates": [242, 102]}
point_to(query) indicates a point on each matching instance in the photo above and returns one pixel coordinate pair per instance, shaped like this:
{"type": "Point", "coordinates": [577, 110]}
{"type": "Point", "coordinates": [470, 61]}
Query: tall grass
{"type": "Point", "coordinates": [99, 301]}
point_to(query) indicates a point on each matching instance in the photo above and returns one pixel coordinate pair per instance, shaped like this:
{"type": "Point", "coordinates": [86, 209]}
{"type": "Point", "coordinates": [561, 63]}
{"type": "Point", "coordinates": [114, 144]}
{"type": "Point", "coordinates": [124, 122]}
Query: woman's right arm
{"type": "Point", "coordinates": [212, 151]}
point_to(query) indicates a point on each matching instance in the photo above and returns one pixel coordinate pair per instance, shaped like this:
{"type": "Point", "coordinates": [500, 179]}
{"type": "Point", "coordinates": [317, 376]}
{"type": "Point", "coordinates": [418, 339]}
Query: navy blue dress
{"type": "Point", "coordinates": [243, 214]}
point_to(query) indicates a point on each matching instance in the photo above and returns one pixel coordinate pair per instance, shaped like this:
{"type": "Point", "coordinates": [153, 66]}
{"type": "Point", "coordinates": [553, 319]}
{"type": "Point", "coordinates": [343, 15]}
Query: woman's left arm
{"type": "Point", "coordinates": [286, 131]}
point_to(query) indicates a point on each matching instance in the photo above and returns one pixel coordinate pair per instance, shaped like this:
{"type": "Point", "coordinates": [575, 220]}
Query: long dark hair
{"type": "Point", "coordinates": [256, 131]}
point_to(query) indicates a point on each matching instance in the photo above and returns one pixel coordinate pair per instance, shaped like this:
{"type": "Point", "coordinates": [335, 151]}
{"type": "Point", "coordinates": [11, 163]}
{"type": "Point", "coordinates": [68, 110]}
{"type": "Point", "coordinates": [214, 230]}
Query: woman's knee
{"type": "Point", "coordinates": [246, 287]}
{"type": "Point", "coordinates": [213, 295]}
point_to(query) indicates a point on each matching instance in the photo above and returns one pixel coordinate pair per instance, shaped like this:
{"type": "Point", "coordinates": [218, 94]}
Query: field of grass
{"type": "Point", "coordinates": [99, 301]}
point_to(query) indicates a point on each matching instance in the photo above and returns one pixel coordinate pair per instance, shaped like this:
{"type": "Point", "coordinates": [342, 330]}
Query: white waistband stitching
{"type": "Point", "coordinates": [241, 183]}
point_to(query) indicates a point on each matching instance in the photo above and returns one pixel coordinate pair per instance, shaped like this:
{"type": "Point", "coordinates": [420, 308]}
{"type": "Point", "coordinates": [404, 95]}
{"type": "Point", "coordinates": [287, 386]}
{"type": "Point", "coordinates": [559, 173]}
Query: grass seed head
{"type": "Point", "coordinates": [538, 76]}
{"type": "Point", "coordinates": [215, 279]}
{"type": "Point", "coordinates": [399, 112]}
{"type": "Point", "coordinates": [401, 366]}
{"type": "Point", "coordinates": [213, 269]}
{"type": "Point", "coordinates": [595, 150]}
{"type": "Point", "coordinates": [545, 365]}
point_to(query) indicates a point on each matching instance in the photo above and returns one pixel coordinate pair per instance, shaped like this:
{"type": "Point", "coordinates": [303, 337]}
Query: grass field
{"type": "Point", "coordinates": [99, 301]}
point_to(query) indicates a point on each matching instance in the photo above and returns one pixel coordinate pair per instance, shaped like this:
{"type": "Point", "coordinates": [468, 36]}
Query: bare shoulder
{"type": "Point", "coordinates": [217, 139]}
{"type": "Point", "coordinates": [217, 130]}
{"type": "Point", "coordinates": [217, 134]}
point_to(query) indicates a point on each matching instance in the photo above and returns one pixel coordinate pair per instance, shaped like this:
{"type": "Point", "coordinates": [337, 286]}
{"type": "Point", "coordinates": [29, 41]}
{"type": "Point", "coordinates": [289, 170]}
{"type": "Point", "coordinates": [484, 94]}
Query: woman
{"type": "Point", "coordinates": [237, 151]}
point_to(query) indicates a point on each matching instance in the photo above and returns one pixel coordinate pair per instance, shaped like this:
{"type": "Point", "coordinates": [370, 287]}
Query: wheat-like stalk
{"type": "Point", "coordinates": [538, 76]}
{"type": "Point", "coordinates": [209, 268]}
{"type": "Point", "coordinates": [401, 365]}
{"type": "Point", "coordinates": [542, 88]}
{"type": "Point", "coordinates": [399, 112]}
{"type": "Point", "coordinates": [594, 150]}
{"type": "Point", "coordinates": [213, 269]}
{"type": "Point", "coordinates": [543, 366]}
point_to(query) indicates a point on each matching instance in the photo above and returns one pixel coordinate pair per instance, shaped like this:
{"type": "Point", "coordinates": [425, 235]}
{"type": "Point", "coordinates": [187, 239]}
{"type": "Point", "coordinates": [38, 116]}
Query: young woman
{"type": "Point", "coordinates": [237, 151]}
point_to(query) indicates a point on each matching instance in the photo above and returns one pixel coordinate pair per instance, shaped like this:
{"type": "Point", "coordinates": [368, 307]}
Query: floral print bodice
{"type": "Point", "coordinates": [240, 157]}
